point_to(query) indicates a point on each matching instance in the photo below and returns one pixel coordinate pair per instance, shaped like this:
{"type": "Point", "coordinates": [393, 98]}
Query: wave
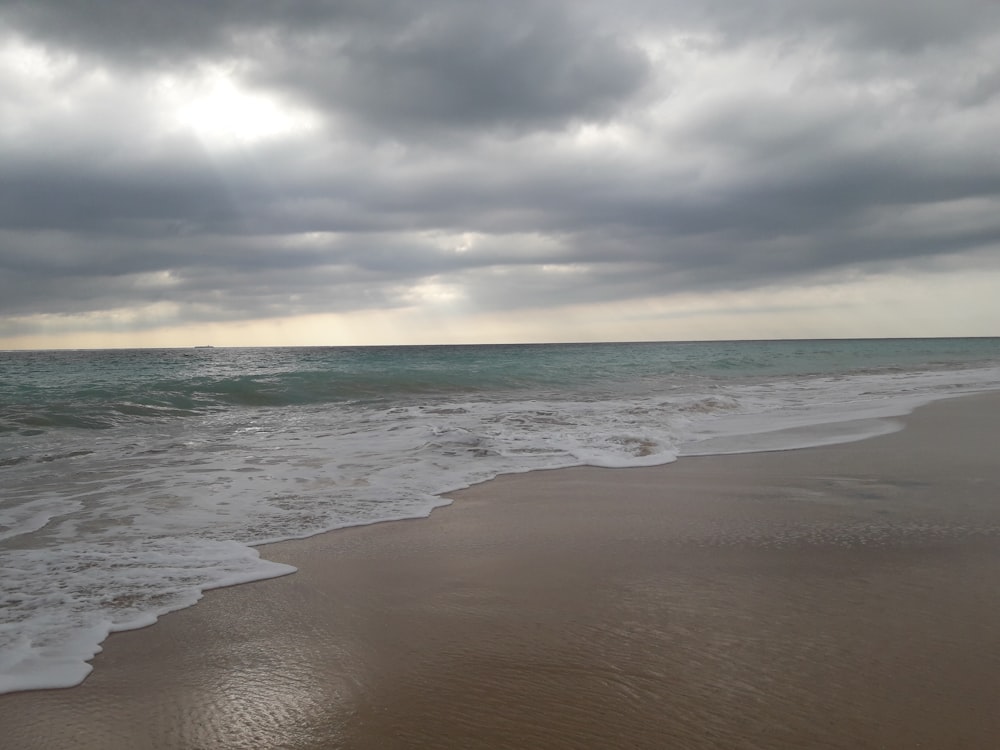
{"type": "Point", "coordinates": [104, 530]}
{"type": "Point", "coordinates": [41, 391]}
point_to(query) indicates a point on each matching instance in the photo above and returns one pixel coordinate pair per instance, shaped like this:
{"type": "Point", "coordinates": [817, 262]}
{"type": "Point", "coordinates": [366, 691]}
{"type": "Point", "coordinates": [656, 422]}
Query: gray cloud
{"type": "Point", "coordinates": [391, 65]}
{"type": "Point", "coordinates": [837, 136]}
{"type": "Point", "coordinates": [466, 66]}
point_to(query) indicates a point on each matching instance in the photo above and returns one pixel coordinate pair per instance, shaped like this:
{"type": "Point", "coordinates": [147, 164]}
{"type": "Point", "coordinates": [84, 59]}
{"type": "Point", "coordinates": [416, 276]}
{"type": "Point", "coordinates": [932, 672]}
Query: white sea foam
{"type": "Point", "coordinates": [150, 517]}
{"type": "Point", "coordinates": [825, 411]}
{"type": "Point", "coordinates": [61, 602]}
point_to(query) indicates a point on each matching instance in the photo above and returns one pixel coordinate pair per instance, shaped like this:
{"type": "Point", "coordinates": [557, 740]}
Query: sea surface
{"type": "Point", "coordinates": [133, 480]}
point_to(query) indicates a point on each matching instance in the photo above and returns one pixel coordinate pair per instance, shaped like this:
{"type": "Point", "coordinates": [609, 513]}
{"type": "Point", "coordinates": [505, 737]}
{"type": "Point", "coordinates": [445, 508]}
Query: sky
{"type": "Point", "coordinates": [323, 172]}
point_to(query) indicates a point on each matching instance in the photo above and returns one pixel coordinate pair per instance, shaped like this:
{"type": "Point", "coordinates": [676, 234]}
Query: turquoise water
{"type": "Point", "coordinates": [133, 480]}
{"type": "Point", "coordinates": [99, 389]}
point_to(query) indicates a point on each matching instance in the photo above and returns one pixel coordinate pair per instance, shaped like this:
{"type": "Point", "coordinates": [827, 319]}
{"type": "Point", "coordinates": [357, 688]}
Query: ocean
{"type": "Point", "coordinates": [133, 480]}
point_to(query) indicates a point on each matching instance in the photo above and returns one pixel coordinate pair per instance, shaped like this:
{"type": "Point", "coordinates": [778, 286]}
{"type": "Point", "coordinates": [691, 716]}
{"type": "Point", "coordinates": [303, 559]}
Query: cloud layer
{"type": "Point", "coordinates": [246, 160]}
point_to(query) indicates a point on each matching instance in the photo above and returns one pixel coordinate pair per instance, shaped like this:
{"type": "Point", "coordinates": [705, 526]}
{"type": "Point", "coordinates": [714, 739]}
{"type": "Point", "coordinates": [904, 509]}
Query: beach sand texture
{"type": "Point", "coordinates": [837, 597]}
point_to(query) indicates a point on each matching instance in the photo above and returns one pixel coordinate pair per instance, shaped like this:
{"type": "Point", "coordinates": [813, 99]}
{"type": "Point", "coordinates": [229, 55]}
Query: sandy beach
{"type": "Point", "coordinates": [837, 597]}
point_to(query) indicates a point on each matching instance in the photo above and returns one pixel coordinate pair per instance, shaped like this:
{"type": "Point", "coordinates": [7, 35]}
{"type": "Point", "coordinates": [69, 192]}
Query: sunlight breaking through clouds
{"type": "Point", "coordinates": [222, 113]}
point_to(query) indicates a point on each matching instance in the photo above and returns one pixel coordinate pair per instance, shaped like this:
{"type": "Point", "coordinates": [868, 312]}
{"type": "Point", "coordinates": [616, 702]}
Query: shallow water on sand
{"type": "Point", "coordinates": [134, 480]}
{"type": "Point", "coordinates": [841, 597]}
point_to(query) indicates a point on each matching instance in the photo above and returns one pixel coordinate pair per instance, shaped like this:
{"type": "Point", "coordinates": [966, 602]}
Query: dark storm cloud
{"type": "Point", "coordinates": [153, 32]}
{"type": "Point", "coordinates": [390, 65]}
{"type": "Point", "coordinates": [142, 198]}
{"type": "Point", "coordinates": [730, 146]}
{"type": "Point", "coordinates": [466, 66]}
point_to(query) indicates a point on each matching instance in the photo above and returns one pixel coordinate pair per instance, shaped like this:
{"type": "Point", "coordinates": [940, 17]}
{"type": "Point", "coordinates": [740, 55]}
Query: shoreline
{"type": "Point", "coordinates": [717, 601]}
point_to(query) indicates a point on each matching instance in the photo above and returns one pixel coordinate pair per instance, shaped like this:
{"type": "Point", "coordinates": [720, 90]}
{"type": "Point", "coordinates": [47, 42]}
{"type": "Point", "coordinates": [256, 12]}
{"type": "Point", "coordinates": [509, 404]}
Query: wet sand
{"type": "Point", "coordinates": [838, 597]}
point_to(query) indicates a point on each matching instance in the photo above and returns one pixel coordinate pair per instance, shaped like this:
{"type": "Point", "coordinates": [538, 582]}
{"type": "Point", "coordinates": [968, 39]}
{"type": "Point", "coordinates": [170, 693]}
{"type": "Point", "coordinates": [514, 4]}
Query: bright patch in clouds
{"type": "Point", "coordinates": [432, 292]}
{"type": "Point", "coordinates": [222, 113]}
